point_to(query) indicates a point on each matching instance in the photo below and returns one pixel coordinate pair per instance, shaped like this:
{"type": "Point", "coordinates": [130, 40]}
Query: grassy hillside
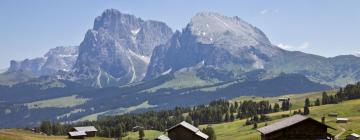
{"type": "Point", "coordinates": [297, 100]}
{"type": "Point", "coordinates": [17, 134]}
{"type": "Point", "coordinates": [236, 129]}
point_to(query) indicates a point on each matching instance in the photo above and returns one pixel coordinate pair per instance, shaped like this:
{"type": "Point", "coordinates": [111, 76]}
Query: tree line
{"type": "Point", "coordinates": [218, 111]}
{"type": "Point", "coordinates": [349, 92]}
{"type": "Point", "coordinates": [215, 112]}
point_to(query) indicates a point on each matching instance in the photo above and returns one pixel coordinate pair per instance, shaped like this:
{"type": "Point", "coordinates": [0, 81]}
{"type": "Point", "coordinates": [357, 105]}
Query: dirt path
{"type": "Point", "coordinates": [342, 132]}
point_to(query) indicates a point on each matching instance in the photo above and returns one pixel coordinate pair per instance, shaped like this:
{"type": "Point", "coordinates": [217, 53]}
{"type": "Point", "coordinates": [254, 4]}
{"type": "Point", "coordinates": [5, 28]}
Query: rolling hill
{"type": "Point", "coordinates": [236, 129]}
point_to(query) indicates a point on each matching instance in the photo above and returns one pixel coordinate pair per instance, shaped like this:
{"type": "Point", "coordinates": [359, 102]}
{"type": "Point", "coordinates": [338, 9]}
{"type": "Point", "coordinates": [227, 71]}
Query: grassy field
{"type": "Point", "coordinates": [17, 134]}
{"type": "Point", "coordinates": [236, 129]}
{"type": "Point", "coordinates": [62, 102]}
{"type": "Point", "coordinates": [349, 109]}
{"type": "Point", "coordinates": [297, 100]}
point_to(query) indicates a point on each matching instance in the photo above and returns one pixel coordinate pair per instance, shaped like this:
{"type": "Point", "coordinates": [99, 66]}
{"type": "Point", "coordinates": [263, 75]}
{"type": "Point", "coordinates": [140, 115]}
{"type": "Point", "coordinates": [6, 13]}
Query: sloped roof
{"type": "Point", "coordinates": [77, 133]}
{"type": "Point", "coordinates": [86, 128]}
{"type": "Point", "coordinates": [191, 128]}
{"type": "Point", "coordinates": [355, 135]}
{"type": "Point", "coordinates": [286, 123]}
{"type": "Point", "coordinates": [342, 119]}
{"type": "Point", "coordinates": [163, 137]}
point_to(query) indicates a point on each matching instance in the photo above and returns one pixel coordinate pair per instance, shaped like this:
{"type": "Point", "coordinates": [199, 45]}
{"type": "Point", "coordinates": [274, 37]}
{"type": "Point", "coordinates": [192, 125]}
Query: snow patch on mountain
{"type": "Point", "coordinates": [259, 63]}
{"type": "Point", "coordinates": [166, 72]}
{"type": "Point", "coordinates": [141, 57]}
{"type": "Point", "coordinates": [357, 54]}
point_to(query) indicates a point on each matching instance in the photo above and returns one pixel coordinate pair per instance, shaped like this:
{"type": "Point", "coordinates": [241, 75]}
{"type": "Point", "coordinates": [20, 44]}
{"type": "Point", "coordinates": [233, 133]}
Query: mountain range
{"type": "Point", "coordinates": [126, 64]}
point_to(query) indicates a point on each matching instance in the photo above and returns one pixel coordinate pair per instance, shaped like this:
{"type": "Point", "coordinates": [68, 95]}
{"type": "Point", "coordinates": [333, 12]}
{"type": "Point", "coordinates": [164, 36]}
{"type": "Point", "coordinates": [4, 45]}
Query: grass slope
{"type": "Point", "coordinates": [18, 134]}
{"type": "Point", "coordinates": [236, 129]}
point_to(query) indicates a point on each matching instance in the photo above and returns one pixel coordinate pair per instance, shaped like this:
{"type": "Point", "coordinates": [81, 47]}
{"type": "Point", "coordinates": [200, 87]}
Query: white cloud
{"type": "Point", "coordinates": [266, 11]}
{"type": "Point", "coordinates": [357, 54]}
{"type": "Point", "coordinates": [290, 47]}
{"type": "Point", "coordinates": [263, 12]}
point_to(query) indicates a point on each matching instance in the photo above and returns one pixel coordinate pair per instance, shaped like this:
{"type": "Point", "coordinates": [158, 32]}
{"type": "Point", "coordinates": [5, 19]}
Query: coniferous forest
{"type": "Point", "coordinates": [215, 112]}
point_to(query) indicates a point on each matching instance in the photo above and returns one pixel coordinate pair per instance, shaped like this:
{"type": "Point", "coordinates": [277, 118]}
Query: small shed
{"type": "Point", "coordinates": [89, 130]}
{"type": "Point", "coordinates": [162, 137]}
{"type": "Point", "coordinates": [77, 135]}
{"type": "Point", "coordinates": [296, 127]}
{"type": "Point", "coordinates": [186, 131]}
{"type": "Point", "coordinates": [284, 99]}
{"type": "Point", "coordinates": [342, 120]}
{"type": "Point", "coordinates": [353, 136]}
{"type": "Point", "coordinates": [333, 114]}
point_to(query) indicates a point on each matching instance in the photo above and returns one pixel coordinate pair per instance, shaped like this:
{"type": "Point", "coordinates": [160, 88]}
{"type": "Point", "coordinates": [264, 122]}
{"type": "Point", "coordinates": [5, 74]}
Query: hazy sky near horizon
{"type": "Point", "coordinates": [29, 28]}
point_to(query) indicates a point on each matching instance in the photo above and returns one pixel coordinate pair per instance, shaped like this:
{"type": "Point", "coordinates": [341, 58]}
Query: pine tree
{"type": "Point", "coordinates": [210, 132]}
{"type": "Point", "coordinates": [232, 117]}
{"type": "Point", "coordinates": [306, 106]}
{"type": "Point", "coordinates": [45, 127]}
{"type": "Point", "coordinates": [227, 117]}
{"type": "Point", "coordinates": [276, 107]}
{"type": "Point", "coordinates": [141, 134]}
{"type": "Point", "coordinates": [307, 102]}
{"type": "Point", "coordinates": [325, 98]}
{"type": "Point", "coordinates": [317, 102]}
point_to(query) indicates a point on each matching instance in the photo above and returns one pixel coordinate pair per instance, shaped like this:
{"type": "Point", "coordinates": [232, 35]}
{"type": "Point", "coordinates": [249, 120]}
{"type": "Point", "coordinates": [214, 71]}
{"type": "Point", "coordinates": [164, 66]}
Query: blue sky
{"type": "Point", "coordinates": [324, 27]}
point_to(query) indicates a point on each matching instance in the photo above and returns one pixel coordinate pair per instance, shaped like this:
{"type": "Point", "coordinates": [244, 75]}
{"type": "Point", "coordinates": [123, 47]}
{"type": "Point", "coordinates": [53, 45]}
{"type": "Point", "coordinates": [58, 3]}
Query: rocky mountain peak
{"type": "Point", "coordinates": [118, 49]}
{"type": "Point", "coordinates": [216, 28]}
{"type": "Point", "coordinates": [59, 58]}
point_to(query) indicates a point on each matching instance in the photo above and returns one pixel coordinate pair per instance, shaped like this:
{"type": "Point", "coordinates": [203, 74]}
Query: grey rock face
{"type": "Point", "coordinates": [220, 42]}
{"type": "Point", "coordinates": [118, 49]}
{"type": "Point", "coordinates": [59, 58]}
{"type": "Point", "coordinates": [228, 48]}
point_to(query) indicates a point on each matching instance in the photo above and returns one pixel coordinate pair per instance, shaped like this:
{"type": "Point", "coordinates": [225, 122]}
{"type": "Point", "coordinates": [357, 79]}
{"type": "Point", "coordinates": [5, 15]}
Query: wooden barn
{"type": "Point", "coordinates": [332, 114]}
{"type": "Point", "coordinates": [90, 131]}
{"type": "Point", "coordinates": [184, 131]}
{"type": "Point", "coordinates": [77, 135]}
{"type": "Point", "coordinates": [296, 127]}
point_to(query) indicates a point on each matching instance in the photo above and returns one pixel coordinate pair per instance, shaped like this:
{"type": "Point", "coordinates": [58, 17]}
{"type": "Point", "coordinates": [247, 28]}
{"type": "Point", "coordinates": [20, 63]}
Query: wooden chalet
{"type": "Point", "coordinates": [89, 131]}
{"type": "Point", "coordinates": [296, 127]}
{"type": "Point", "coordinates": [183, 131]}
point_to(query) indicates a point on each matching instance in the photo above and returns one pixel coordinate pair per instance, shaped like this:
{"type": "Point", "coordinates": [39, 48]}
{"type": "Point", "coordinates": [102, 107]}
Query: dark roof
{"type": "Point", "coordinates": [191, 128]}
{"type": "Point", "coordinates": [287, 122]}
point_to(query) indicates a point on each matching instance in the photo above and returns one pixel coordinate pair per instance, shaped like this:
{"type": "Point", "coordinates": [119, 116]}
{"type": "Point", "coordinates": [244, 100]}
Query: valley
{"type": "Point", "coordinates": [217, 72]}
{"type": "Point", "coordinates": [236, 129]}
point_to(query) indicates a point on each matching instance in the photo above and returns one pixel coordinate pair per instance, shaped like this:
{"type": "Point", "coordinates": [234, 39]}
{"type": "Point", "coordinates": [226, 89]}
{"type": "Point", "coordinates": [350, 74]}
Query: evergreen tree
{"type": "Point", "coordinates": [325, 98]}
{"type": "Point", "coordinates": [307, 102]}
{"type": "Point", "coordinates": [210, 132]}
{"type": "Point", "coordinates": [236, 105]}
{"type": "Point", "coordinates": [276, 107]}
{"type": "Point", "coordinates": [141, 134]}
{"type": "Point", "coordinates": [196, 123]}
{"type": "Point", "coordinates": [255, 125]}
{"type": "Point", "coordinates": [306, 106]}
{"type": "Point", "coordinates": [306, 110]}
{"type": "Point", "coordinates": [45, 127]}
{"type": "Point", "coordinates": [317, 102]}
{"type": "Point", "coordinates": [232, 117]}
{"type": "Point", "coordinates": [227, 117]}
